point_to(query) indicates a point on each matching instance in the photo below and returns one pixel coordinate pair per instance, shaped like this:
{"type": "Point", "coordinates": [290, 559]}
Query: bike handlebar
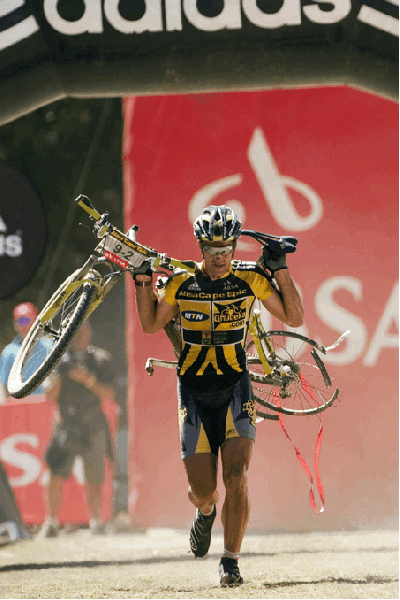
{"type": "Point", "coordinates": [103, 227]}
{"type": "Point", "coordinates": [85, 203]}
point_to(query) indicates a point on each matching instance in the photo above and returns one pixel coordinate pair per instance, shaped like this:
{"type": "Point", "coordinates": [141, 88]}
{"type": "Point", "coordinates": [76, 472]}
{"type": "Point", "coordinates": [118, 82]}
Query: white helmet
{"type": "Point", "coordinates": [217, 224]}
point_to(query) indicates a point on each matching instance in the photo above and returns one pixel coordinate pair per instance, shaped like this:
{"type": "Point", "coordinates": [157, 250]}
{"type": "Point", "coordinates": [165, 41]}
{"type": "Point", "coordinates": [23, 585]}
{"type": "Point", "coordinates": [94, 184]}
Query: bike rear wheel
{"type": "Point", "coordinates": [49, 338]}
{"type": "Point", "coordinates": [299, 383]}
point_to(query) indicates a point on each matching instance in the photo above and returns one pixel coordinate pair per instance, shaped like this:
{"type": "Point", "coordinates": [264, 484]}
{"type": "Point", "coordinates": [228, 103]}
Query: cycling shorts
{"type": "Point", "coordinates": [207, 420]}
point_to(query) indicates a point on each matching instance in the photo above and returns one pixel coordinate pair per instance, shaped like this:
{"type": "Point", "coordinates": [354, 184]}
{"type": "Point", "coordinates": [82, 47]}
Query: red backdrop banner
{"type": "Point", "coordinates": [25, 431]}
{"type": "Point", "coordinates": [320, 164]}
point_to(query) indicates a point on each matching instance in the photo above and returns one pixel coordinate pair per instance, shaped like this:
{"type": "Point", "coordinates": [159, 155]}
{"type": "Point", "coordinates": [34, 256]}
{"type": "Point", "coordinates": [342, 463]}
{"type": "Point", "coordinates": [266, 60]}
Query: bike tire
{"type": "Point", "coordinates": [48, 339]}
{"type": "Point", "coordinates": [299, 383]}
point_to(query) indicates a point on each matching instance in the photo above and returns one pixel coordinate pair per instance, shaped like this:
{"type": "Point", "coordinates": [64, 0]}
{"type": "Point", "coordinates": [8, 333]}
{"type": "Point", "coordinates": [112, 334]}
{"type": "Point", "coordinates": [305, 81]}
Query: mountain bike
{"type": "Point", "coordinates": [287, 373]}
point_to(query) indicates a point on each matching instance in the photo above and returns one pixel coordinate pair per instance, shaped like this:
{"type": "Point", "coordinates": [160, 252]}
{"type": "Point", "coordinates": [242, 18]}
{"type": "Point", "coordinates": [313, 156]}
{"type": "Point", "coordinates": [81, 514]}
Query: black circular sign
{"type": "Point", "coordinates": [22, 231]}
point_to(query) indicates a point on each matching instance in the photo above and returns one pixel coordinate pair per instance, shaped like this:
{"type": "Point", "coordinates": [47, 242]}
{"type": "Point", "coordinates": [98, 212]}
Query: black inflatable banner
{"type": "Point", "coordinates": [22, 231]}
{"type": "Point", "coordinates": [51, 49]}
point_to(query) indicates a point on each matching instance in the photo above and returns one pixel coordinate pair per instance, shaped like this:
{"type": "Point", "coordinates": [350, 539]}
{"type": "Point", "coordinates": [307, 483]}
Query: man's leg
{"type": "Point", "coordinates": [235, 455]}
{"type": "Point", "coordinates": [201, 470]}
{"type": "Point", "coordinates": [93, 491]}
{"type": "Point", "coordinates": [93, 462]}
{"type": "Point", "coordinates": [53, 497]}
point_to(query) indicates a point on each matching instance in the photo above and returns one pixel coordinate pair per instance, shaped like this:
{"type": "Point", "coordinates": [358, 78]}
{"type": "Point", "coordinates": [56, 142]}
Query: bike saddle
{"type": "Point", "coordinates": [287, 243]}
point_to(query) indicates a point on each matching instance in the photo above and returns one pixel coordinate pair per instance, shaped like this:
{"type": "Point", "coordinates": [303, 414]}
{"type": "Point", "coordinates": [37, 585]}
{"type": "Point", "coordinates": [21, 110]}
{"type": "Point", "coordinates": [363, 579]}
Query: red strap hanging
{"type": "Point", "coordinates": [318, 444]}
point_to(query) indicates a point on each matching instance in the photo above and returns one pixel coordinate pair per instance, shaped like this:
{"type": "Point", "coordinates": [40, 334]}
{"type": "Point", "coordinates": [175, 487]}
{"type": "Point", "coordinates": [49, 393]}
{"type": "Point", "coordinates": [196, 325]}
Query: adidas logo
{"type": "Point", "coordinates": [16, 22]}
{"type": "Point", "coordinates": [10, 245]}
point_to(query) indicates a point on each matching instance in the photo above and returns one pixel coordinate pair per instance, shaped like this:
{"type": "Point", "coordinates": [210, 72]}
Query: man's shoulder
{"type": "Point", "coordinates": [12, 348]}
{"type": "Point", "coordinates": [177, 278]}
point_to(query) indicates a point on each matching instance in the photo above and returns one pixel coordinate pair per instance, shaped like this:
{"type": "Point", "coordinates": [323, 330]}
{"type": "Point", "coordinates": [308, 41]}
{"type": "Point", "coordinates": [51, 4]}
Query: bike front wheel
{"type": "Point", "coordinates": [299, 383]}
{"type": "Point", "coordinates": [49, 337]}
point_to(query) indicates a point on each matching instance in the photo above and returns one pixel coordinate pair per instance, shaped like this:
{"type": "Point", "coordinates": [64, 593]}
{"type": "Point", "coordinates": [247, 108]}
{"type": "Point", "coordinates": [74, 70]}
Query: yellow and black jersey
{"type": "Point", "coordinates": [214, 322]}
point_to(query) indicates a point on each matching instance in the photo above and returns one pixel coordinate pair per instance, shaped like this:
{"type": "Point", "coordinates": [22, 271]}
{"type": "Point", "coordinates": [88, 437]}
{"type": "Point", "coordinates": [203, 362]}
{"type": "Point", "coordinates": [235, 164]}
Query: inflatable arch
{"type": "Point", "coordinates": [97, 48]}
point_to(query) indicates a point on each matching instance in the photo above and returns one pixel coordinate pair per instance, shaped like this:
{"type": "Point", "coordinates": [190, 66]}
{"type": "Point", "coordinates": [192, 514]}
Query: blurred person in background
{"type": "Point", "coordinates": [24, 315]}
{"type": "Point", "coordinates": [82, 382]}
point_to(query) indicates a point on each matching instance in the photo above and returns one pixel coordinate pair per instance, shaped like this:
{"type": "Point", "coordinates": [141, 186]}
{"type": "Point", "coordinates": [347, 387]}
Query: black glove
{"type": "Point", "coordinates": [274, 260]}
{"type": "Point", "coordinates": [143, 269]}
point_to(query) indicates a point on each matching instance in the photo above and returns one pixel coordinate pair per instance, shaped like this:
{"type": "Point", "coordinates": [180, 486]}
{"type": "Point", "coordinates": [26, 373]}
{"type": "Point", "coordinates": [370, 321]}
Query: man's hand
{"type": "Point", "coordinates": [82, 375]}
{"type": "Point", "coordinates": [274, 260]}
{"type": "Point", "coordinates": [139, 261]}
{"type": "Point", "coordinates": [141, 264]}
{"type": "Point", "coordinates": [143, 269]}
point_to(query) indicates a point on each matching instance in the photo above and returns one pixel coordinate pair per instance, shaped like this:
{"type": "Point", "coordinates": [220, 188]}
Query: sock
{"type": "Point", "coordinates": [227, 554]}
{"type": "Point", "coordinates": [52, 521]}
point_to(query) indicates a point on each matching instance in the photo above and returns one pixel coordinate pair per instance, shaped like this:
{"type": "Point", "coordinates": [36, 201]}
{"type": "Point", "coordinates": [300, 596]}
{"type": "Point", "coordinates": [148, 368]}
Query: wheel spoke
{"type": "Point", "coordinates": [299, 378]}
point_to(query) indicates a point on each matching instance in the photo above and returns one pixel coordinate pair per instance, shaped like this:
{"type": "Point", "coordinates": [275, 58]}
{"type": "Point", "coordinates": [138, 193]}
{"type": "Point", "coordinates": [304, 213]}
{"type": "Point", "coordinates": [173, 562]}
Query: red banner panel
{"type": "Point", "coordinates": [320, 164]}
{"type": "Point", "coordinates": [25, 431]}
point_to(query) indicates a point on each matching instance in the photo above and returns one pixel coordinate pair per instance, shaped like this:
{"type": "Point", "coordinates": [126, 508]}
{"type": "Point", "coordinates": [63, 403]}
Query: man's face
{"type": "Point", "coordinates": [216, 264]}
{"type": "Point", "coordinates": [23, 324]}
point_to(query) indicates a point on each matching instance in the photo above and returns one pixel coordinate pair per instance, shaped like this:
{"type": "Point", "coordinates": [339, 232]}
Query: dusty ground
{"type": "Point", "coordinates": [156, 564]}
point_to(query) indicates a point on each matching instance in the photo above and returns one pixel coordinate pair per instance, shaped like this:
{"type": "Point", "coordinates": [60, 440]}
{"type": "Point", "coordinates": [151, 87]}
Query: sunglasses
{"type": "Point", "coordinates": [25, 321]}
{"type": "Point", "coordinates": [215, 250]}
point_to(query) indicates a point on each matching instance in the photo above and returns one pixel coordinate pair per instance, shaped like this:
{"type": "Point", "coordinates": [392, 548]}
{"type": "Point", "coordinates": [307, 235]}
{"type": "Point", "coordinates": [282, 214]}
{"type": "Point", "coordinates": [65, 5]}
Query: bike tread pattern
{"type": "Point", "coordinates": [18, 388]}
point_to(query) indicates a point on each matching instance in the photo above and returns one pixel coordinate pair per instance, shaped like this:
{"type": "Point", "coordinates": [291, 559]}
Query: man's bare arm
{"type": "Point", "coordinates": [153, 312]}
{"type": "Point", "coordinates": [287, 307]}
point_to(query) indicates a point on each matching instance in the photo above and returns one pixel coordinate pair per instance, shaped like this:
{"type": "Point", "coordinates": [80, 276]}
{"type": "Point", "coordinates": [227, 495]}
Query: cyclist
{"type": "Point", "coordinates": [216, 410]}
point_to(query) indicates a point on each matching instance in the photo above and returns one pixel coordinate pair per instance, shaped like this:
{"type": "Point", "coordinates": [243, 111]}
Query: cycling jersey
{"type": "Point", "coordinates": [214, 322]}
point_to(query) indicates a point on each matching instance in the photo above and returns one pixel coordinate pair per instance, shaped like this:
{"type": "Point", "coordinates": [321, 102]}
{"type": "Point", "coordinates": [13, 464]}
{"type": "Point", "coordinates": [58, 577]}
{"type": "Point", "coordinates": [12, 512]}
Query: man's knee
{"type": "Point", "coordinates": [236, 475]}
{"type": "Point", "coordinates": [202, 475]}
{"type": "Point", "coordinates": [202, 490]}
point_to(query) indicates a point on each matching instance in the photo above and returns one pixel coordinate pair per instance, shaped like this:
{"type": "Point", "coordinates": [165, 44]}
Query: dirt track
{"type": "Point", "coordinates": [156, 564]}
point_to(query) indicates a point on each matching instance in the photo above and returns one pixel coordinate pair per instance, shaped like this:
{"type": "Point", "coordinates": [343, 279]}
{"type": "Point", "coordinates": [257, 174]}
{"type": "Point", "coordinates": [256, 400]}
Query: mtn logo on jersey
{"type": "Point", "coordinates": [194, 315]}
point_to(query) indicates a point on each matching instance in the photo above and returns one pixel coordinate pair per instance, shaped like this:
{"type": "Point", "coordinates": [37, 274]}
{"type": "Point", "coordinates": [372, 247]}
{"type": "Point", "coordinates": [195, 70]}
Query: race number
{"type": "Point", "coordinates": [116, 250]}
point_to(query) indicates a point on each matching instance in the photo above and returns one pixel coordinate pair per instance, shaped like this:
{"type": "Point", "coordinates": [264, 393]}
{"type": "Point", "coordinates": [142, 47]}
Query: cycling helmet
{"type": "Point", "coordinates": [217, 224]}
